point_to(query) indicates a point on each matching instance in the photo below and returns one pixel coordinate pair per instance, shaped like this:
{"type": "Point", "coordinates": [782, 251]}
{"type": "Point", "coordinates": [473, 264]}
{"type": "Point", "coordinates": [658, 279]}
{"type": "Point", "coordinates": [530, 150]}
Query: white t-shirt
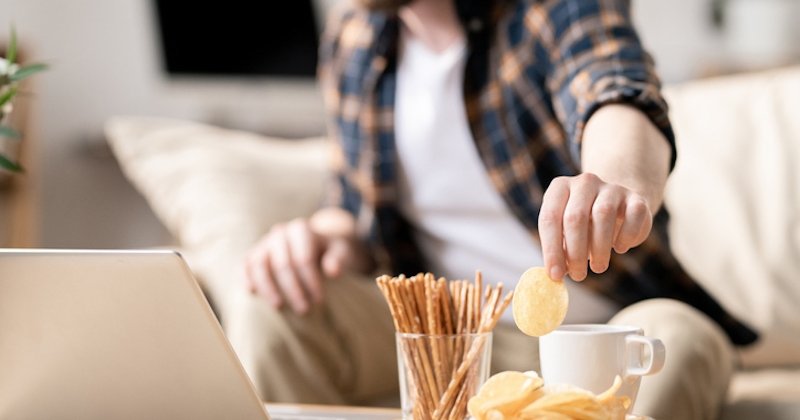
{"type": "Point", "coordinates": [461, 221]}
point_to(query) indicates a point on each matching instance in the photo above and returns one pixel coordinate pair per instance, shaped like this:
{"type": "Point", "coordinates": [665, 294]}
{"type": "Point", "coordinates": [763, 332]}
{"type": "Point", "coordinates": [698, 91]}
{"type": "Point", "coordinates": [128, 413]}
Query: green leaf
{"type": "Point", "coordinates": [7, 97]}
{"type": "Point", "coordinates": [12, 47]}
{"type": "Point", "coordinates": [9, 132]}
{"type": "Point", "coordinates": [27, 71]}
{"type": "Point", "coordinates": [10, 165]}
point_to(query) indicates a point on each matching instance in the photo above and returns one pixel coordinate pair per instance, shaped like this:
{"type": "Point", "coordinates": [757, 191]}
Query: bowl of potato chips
{"type": "Point", "coordinates": [524, 396]}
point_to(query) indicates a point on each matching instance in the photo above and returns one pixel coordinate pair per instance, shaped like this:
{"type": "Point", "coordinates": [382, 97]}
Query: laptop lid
{"type": "Point", "coordinates": [113, 334]}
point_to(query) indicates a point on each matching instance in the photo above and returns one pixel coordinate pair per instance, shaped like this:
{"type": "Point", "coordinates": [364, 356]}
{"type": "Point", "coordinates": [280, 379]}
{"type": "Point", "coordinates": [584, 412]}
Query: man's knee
{"type": "Point", "coordinates": [699, 360]}
{"type": "Point", "coordinates": [287, 356]}
{"type": "Point", "coordinates": [692, 340]}
{"type": "Point", "coordinates": [258, 333]}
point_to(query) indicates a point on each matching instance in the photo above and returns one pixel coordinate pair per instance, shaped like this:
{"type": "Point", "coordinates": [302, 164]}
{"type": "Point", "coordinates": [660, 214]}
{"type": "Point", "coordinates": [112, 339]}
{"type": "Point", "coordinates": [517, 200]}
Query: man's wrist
{"type": "Point", "coordinates": [623, 147]}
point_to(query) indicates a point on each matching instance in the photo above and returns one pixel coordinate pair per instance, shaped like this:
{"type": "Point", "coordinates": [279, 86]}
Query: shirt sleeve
{"type": "Point", "coordinates": [340, 190]}
{"type": "Point", "coordinates": [596, 58]}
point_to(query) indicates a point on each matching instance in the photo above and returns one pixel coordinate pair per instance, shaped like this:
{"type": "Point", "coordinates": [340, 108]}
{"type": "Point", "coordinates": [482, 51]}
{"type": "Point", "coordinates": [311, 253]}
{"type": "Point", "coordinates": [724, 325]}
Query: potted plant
{"type": "Point", "coordinates": [11, 74]}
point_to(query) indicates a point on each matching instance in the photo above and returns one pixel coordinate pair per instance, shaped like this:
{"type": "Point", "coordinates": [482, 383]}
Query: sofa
{"type": "Point", "coordinates": [734, 197]}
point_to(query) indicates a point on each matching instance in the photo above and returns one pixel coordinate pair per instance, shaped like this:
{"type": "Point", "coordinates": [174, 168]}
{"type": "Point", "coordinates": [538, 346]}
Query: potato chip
{"type": "Point", "coordinates": [542, 415]}
{"type": "Point", "coordinates": [540, 303]}
{"type": "Point", "coordinates": [575, 404]}
{"type": "Point", "coordinates": [616, 408]}
{"type": "Point", "coordinates": [609, 393]}
{"type": "Point", "coordinates": [503, 394]}
{"type": "Point", "coordinates": [494, 415]}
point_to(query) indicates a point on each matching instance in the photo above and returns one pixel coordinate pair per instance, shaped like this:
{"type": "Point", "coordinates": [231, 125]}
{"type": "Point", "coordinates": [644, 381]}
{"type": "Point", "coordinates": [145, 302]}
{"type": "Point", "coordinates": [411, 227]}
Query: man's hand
{"type": "Point", "coordinates": [582, 218]}
{"type": "Point", "coordinates": [625, 161]}
{"type": "Point", "coordinates": [289, 263]}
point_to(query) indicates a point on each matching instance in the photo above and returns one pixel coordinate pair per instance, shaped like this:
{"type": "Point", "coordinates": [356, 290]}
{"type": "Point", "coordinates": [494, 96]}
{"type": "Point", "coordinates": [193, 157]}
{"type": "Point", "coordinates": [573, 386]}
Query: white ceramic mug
{"type": "Point", "coordinates": [590, 356]}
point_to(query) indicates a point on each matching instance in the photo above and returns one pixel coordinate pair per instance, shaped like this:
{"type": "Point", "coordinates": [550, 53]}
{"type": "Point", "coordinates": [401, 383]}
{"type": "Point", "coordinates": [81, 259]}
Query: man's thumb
{"type": "Point", "coordinates": [335, 258]}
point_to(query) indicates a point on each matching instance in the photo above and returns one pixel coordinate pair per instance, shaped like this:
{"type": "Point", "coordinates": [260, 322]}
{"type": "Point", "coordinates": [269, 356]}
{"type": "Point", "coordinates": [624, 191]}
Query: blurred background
{"type": "Point", "coordinates": [182, 59]}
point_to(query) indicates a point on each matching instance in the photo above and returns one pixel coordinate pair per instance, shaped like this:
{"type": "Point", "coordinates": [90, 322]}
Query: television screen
{"type": "Point", "coordinates": [238, 37]}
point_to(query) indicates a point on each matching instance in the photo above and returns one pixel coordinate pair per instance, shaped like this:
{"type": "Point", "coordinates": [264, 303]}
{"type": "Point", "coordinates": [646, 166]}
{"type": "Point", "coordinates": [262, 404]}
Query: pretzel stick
{"type": "Point", "coordinates": [384, 289]}
{"type": "Point", "coordinates": [491, 305]}
{"type": "Point", "coordinates": [406, 287]}
{"type": "Point", "coordinates": [462, 317]}
{"type": "Point", "coordinates": [462, 313]}
{"type": "Point", "coordinates": [431, 303]}
{"type": "Point", "coordinates": [446, 347]}
{"type": "Point", "coordinates": [446, 306]}
{"type": "Point", "coordinates": [455, 294]}
{"type": "Point", "coordinates": [486, 296]}
{"type": "Point", "coordinates": [420, 354]}
{"type": "Point", "coordinates": [441, 302]}
{"type": "Point", "coordinates": [499, 311]}
{"type": "Point", "coordinates": [419, 295]}
{"type": "Point", "coordinates": [478, 298]}
{"type": "Point", "coordinates": [448, 399]}
{"type": "Point", "coordinates": [470, 309]}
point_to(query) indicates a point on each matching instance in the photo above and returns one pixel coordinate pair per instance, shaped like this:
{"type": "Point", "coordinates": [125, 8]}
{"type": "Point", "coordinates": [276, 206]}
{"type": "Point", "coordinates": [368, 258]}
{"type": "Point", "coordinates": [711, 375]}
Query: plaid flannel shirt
{"type": "Point", "coordinates": [536, 71]}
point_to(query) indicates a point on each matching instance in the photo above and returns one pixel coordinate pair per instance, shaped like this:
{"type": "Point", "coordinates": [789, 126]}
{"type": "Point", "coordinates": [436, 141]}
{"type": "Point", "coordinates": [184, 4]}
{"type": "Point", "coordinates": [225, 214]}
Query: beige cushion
{"type": "Point", "coordinates": [735, 200]}
{"type": "Point", "coordinates": [217, 191]}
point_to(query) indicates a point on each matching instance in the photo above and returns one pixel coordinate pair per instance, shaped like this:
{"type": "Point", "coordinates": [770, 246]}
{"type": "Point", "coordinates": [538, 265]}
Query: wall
{"type": "Point", "coordinates": [680, 35]}
{"type": "Point", "coordinates": [105, 63]}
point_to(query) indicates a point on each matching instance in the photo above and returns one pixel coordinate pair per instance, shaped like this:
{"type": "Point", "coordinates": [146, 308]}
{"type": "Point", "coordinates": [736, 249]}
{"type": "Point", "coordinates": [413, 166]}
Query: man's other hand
{"type": "Point", "coordinates": [289, 263]}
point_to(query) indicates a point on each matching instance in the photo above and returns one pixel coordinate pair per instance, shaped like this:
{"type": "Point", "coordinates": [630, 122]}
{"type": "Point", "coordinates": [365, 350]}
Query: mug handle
{"type": "Point", "coordinates": [657, 355]}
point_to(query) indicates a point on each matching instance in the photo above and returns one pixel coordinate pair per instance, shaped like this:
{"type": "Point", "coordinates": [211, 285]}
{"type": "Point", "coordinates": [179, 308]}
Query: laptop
{"type": "Point", "coordinates": [90, 334]}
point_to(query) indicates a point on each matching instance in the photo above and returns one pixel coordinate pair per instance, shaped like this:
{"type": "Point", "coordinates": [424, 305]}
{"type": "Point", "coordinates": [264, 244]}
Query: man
{"type": "Point", "coordinates": [493, 135]}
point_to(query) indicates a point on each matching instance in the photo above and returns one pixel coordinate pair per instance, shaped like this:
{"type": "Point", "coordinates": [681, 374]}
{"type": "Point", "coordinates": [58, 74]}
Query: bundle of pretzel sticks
{"type": "Point", "coordinates": [451, 319]}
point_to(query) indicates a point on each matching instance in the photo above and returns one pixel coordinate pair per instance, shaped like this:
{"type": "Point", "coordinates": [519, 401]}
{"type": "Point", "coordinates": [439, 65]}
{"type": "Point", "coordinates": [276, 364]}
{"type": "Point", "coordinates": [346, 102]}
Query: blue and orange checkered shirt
{"type": "Point", "coordinates": [536, 71]}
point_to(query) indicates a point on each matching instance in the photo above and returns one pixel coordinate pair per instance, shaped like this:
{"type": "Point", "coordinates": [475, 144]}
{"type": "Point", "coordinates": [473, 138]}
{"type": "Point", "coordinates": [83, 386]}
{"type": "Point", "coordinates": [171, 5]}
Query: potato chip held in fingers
{"type": "Point", "coordinates": [540, 303]}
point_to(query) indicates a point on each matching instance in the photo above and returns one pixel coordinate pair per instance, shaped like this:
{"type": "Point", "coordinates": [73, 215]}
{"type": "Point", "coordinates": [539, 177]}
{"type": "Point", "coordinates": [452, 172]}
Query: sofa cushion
{"type": "Point", "coordinates": [216, 190]}
{"type": "Point", "coordinates": [734, 197]}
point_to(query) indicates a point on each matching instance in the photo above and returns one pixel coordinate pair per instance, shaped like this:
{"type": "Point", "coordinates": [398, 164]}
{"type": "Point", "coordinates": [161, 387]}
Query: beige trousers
{"type": "Point", "coordinates": [343, 352]}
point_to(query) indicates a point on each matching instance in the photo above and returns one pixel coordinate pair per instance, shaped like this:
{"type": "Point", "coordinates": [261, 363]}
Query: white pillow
{"type": "Point", "coordinates": [216, 190]}
{"type": "Point", "coordinates": [735, 201]}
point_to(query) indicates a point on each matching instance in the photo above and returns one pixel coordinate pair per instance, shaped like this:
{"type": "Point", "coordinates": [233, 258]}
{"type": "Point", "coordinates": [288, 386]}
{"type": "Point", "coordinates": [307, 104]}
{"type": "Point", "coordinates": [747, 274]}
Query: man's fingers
{"type": "Point", "coordinates": [551, 225]}
{"type": "Point", "coordinates": [605, 213]}
{"type": "Point", "coordinates": [336, 257]}
{"type": "Point", "coordinates": [635, 226]}
{"type": "Point", "coordinates": [285, 276]}
{"type": "Point", "coordinates": [260, 280]}
{"type": "Point", "coordinates": [303, 251]}
{"type": "Point", "coordinates": [577, 219]}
